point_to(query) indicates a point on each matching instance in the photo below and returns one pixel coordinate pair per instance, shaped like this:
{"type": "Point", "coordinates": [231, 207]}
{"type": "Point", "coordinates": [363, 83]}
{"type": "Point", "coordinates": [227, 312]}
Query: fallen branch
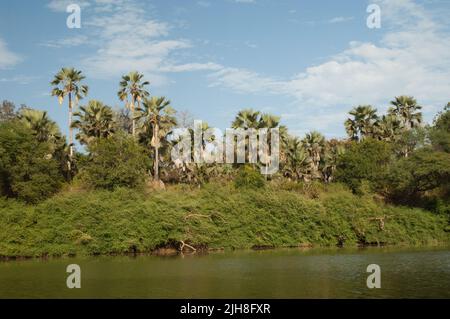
{"type": "Point", "coordinates": [183, 244]}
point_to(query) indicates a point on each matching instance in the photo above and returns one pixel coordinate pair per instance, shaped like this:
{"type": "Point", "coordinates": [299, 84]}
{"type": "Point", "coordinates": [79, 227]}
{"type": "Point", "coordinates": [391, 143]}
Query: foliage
{"type": "Point", "coordinates": [214, 216]}
{"type": "Point", "coordinates": [410, 178]}
{"type": "Point", "coordinates": [249, 177]}
{"type": "Point", "coordinates": [93, 121]}
{"type": "Point", "coordinates": [29, 169]}
{"type": "Point", "coordinates": [440, 131]}
{"type": "Point", "coordinates": [116, 161]}
{"type": "Point", "coordinates": [366, 160]}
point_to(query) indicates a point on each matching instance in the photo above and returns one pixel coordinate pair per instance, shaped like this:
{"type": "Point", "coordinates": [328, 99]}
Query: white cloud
{"type": "Point", "coordinates": [67, 42]}
{"type": "Point", "coordinates": [7, 57]}
{"type": "Point", "coordinates": [340, 19]}
{"type": "Point", "coordinates": [19, 79]}
{"type": "Point", "coordinates": [412, 58]}
{"type": "Point", "coordinates": [127, 38]}
{"type": "Point", "coordinates": [61, 5]}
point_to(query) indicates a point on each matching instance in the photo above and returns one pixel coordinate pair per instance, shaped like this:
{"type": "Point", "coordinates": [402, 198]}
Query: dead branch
{"type": "Point", "coordinates": [183, 244]}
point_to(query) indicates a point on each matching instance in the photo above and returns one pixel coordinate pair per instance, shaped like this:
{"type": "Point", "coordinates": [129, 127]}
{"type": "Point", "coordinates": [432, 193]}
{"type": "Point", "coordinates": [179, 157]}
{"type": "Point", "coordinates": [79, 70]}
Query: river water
{"type": "Point", "coordinates": [282, 273]}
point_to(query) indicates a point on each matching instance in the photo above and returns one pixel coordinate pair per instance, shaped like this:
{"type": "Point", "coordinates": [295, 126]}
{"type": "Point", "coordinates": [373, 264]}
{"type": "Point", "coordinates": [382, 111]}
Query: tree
{"type": "Point", "coordinates": [412, 178]}
{"type": "Point", "coordinates": [439, 133]}
{"type": "Point", "coordinates": [363, 124]}
{"type": "Point", "coordinates": [247, 119]}
{"type": "Point", "coordinates": [366, 160]}
{"type": "Point", "coordinates": [42, 126]}
{"type": "Point", "coordinates": [116, 161]}
{"type": "Point", "coordinates": [133, 87]}
{"type": "Point", "coordinates": [389, 128]}
{"type": "Point", "coordinates": [29, 169]}
{"type": "Point", "coordinates": [297, 163]}
{"type": "Point", "coordinates": [406, 109]}
{"type": "Point", "coordinates": [67, 82]}
{"type": "Point", "coordinates": [314, 143]}
{"type": "Point", "coordinates": [333, 150]}
{"type": "Point", "coordinates": [94, 121]}
{"type": "Point", "coordinates": [158, 118]}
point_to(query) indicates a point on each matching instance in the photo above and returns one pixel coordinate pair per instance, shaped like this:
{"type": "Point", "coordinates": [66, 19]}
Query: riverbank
{"type": "Point", "coordinates": [216, 216]}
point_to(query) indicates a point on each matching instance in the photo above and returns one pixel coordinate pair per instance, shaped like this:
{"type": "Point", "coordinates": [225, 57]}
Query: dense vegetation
{"type": "Point", "coordinates": [214, 216]}
{"type": "Point", "coordinates": [123, 192]}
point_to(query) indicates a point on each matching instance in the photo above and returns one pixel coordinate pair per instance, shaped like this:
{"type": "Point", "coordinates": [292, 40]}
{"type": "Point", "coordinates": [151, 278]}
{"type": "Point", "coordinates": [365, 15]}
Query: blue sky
{"type": "Point", "coordinates": [308, 61]}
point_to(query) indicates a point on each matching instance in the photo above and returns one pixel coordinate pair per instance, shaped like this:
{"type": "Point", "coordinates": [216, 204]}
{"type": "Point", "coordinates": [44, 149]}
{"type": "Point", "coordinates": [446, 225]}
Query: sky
{"type": "Point", "coordinates": [308, 61]}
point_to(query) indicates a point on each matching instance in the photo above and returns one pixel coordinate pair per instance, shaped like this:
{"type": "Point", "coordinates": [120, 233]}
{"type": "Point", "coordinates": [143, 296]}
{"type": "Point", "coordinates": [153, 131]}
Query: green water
{"type": "Point", "coordinates": [290, 273]}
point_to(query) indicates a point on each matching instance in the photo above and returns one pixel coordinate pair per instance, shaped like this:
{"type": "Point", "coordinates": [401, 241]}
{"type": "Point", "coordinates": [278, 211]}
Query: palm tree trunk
{"type": "Point", "coordinates": [156, 139]}
{"type": "Point", "coordinates": [70, 127]}
{"type": "Point", "coordinates": [132, 117]}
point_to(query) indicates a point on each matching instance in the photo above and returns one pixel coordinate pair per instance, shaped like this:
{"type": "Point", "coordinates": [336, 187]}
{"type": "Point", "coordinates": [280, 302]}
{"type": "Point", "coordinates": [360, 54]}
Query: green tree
{"type": "Point", "coordinates": [116, 161]}
{"type": "Point", "coordinates": [314, 143]}
{"type": "Point", "coordinates": [417, 176]}
{"type": "Point", "coordinates": [296, 163]}
{"type": "Point", "coordinates": [67, 82]}
{"type": "Point", "coordinates": [93, 121]}
{"type": "Point", "coordinates": [440, 131]}
{"type": "Point", "coordinates": [363, 123]}
{"type": "Point", "coordinates": [28, 168]}
{"type": "Point", "coordinates": [407, 110]}
{"type": "Point", "coordinates": [133, 86]}
{"type": "Point", "coordinates": [42, 126]}
{"type": "Point", "coordinates": [247, 119]}
{"type": "Point", "coordinates": [366, 160]}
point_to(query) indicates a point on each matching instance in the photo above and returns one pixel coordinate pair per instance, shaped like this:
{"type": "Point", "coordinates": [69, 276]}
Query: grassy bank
{"type": "Point", "coordinates": [214, 216]}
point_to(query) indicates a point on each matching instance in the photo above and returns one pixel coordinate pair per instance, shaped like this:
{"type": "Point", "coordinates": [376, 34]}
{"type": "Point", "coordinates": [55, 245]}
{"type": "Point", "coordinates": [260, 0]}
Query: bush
{"type": "Point", "coordinates": [249, 177]}
{"type": "Point", "coordinates": [366, 160]}
{"type": "Point", "coordinates": [28, 168]}
{"type": "Point", "coordinates": [116, 161]}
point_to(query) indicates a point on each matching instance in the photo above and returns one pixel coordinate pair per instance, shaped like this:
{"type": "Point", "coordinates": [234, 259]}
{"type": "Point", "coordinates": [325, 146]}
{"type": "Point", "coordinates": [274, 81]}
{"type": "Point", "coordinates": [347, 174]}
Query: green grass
{"type": "Point", "coordinates": [214, 216]}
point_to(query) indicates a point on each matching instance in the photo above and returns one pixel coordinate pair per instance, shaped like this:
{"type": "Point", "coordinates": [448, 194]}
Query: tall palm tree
{"type": "Point", "coordinates": [297, 163]}
{"type": "Point", "coordinates": [314, 143]}
{"type": "Point", "coordinates": [363, 122]}
{"type": "Point", "coordinates": [95, 120]}
{"type": "Point", "coordinates": [67, 82]}
{"type": "Point", "coordinates": [133, 86]}
{"type": "Point", "coordinates": [43, 127]}
{"type": "Point", "coordinates": [157, 115]}
{"type": "Point", "coordinates": [407, 110]}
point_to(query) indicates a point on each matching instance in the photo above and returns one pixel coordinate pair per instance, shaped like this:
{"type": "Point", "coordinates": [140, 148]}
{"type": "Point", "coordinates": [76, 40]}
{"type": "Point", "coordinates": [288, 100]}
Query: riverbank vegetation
{"type": "Point", "coordinates": [387, 182]}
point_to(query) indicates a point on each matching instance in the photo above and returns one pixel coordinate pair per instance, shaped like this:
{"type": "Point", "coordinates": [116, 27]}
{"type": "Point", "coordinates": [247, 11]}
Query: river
{"type": "Point", "coordinates": [281, 273]}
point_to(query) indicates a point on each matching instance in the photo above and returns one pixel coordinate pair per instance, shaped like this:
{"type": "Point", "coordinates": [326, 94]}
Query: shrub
{"type": "Point", "coordinates": [249, 177]}
{"type": "Point", "coordinates": [116, 161]}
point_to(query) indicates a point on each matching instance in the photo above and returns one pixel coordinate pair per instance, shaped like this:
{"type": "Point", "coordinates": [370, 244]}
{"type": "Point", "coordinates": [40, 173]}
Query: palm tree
{"type": "Point", "coordinates": [247, 119]}
{"type": "Point", "coordinates": [333, 149]}
{"type": "Point", "coordinates": [389, 128]}
{"type": "Point", "coordinates": [43, 127]}
{"type": "Point", "coordinates": [67, 82]}
{"type": "Point", "coordinates": [159, 120]}
{"type": "Point", "coordinates": [297, 163]}
{"type": "Point", "coordinates": [314, 143]}
{"type": "Point", "coordinates": [132, 86]}
{"type": "Point", "coordinates": [406, 109]}
{"type": "Point", "coordinates": [364, 122]}
{"type": "Point", "coordinates": [94, 121]}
